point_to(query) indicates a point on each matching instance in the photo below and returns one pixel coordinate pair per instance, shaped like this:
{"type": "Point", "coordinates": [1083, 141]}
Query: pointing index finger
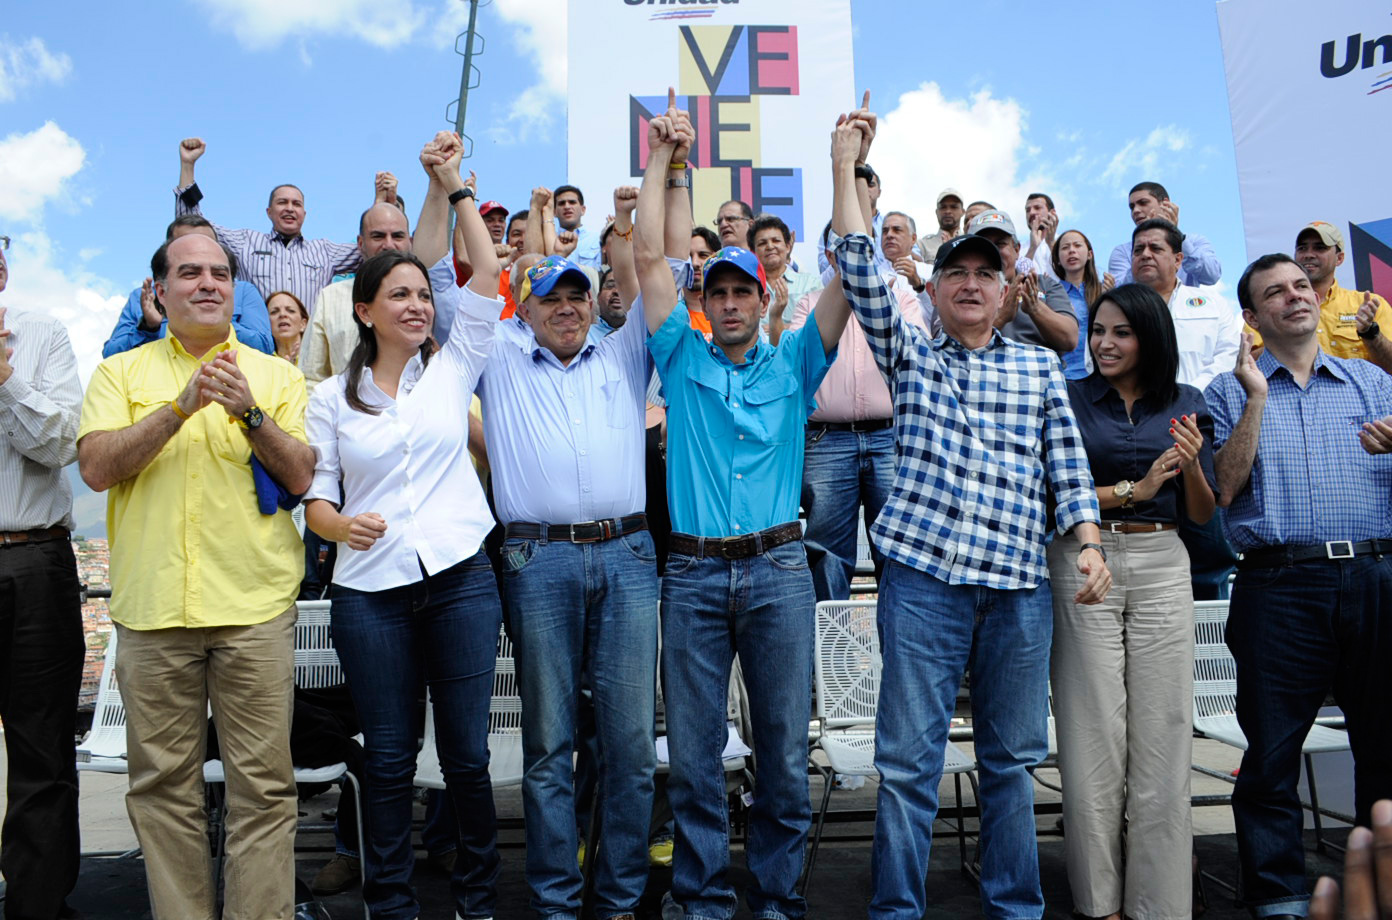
{"type": "Point", "coordinates": [671, 97]}
{"type": "Point", "coordinates": [865, 102]}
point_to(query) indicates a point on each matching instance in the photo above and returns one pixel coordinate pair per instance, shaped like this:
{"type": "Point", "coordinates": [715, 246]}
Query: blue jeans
{"type": "Point", "coordinates": [585, 611]}
{"type": "Point", "coordinates": [764, 609]}
{"type": "Point", "coordinates": [1295, 631]}
{"type": "Point", "coordinates": [841, 471]}
{"type": "Point", "coordinates": [930, 633]}
{"type": "Point", "coordinates": [443, 628]}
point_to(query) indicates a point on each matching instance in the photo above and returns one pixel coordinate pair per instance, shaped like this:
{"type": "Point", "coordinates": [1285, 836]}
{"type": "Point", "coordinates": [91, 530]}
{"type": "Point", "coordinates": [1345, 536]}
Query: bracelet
{"type": "Point", "coordinates": [624, 234]}
{"type": "Point", "coordinates": [1101, 551]}
{"type": "Point", "coordinates": [675, 165]}
{"type": "Point", "coordinates": [183, 416]}
{"type": "Point", "coordinates": [460, 194]}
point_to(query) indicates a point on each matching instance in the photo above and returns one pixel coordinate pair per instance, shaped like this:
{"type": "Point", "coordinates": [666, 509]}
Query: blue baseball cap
{"type": "Point", "coordinates": [737, 258]}
{"type": "Point", "coordinates": [544, 276]}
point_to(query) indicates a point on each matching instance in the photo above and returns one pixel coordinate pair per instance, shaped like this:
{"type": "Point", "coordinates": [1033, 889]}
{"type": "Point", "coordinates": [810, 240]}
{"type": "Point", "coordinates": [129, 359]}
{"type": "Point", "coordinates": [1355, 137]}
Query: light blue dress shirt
{"type": "Point", "coordinates": [586, 248]}
{"type": "Point", "coordinates": [566, 442]}
{"type": "Point", "coordinates": [735, 431]}
{"type": "Point", "coordinates": [249, 318]}
{"type": "Point", "coordinates": [1075, 362]}
{"type": "Point", "coordinates": [1200, 265]}
{"type": "Point", "coordinates": [1311, 480]}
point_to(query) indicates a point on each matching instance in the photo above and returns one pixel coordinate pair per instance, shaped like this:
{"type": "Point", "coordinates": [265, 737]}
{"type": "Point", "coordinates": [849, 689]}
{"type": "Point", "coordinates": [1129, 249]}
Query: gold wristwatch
{"type": "Point", "coordinates": [1126, 491]}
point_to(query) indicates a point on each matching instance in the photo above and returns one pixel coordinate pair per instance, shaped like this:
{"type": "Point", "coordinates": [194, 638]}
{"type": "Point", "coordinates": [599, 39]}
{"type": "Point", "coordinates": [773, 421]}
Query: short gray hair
{"type": "Point", "coordinates": [913, 227]}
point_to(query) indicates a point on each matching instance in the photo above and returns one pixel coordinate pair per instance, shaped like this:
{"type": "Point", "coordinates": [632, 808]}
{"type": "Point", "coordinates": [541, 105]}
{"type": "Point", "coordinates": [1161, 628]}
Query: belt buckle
{"type": "Point", "coordinates": [603, 531]}
{"type": "Point", "coordinates": [7, 540]}
{"type": "Point", "coordinates": [1115, 526]}
{"type": "Point", "coordinates": [727, 545]}
{"type": "Point", "coordinates": [1329, 552]}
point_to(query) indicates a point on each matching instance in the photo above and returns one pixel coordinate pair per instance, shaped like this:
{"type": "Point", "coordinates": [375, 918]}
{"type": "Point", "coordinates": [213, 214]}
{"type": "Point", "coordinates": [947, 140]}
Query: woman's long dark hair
{"type": "Point", "coordinates": [1092, 288]}
{"type": "Point", "coordinates": [1157, 347]}
{"type": "Point", "coordinates": [366, 284]}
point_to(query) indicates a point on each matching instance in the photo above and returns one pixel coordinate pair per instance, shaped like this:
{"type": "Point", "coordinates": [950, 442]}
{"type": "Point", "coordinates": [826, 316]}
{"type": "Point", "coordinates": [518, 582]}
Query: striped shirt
{"type": "Point", "coordinates": [39, 408]}
{"type": "Point", "coordinates": [274, 262]}
{"type": "Point", "coordinates": [1311, 480]}
{"type": "Point", "coordinates": [984, 435]}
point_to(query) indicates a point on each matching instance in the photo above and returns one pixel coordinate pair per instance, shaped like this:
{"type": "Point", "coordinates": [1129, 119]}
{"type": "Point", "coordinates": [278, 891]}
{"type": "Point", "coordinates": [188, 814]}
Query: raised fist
{"type": "Point", "coordinates": [190, 149]}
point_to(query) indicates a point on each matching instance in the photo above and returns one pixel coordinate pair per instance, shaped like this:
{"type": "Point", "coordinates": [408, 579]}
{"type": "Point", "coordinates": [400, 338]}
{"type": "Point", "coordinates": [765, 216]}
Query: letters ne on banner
{"type": "Point", "coordinates": [762, 79]}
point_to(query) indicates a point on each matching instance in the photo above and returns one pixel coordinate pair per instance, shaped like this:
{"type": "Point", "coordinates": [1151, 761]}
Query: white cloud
{"type": "Point", "coordinates": [85, 303]}
{"type": "Point", "coordinates": [27, 63]}
{"type": "Point", "coordinates": [976, 145]}
{"type": "Point", "coordinates": [262, 24]}
{"type": "Point", "coordinates": [539, 33]}
{"type": "Point", "coordinates": [1148, 157]}
{"type": "Point", "coordinates": [35, 168]}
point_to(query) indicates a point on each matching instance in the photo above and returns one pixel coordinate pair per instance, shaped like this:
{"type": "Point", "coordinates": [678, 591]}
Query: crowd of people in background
{"type": "Point", "coordinates": [560, 427]}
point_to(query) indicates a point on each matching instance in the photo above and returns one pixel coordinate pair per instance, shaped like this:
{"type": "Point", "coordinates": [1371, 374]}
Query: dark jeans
{"type": "Point", "coordinates": [843, 471]}
{"type": "Point", "coordinates": [443, 628]}
{"type": "Point", "coordinates": [764, 609]}
{"type": "Point", "coordinates": [1297, 631]}
{"type": "Point", "coordinates": [41, 650]}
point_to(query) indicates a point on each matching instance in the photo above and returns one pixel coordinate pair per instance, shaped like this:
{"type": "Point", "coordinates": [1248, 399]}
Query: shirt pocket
{"type": "Point", "coordinates": [769, 421]}
{"type": "Point", "coordinates": [145, 401]}
{"type": "Point", "coordinates": [620, 405]}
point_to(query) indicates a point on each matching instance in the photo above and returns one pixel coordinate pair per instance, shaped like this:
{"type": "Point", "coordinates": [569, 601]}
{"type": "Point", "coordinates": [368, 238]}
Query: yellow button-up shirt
{"type": "Point", "coordinates": [189, 548]}
{"type": "Point", "coordinates": [1338, 328]}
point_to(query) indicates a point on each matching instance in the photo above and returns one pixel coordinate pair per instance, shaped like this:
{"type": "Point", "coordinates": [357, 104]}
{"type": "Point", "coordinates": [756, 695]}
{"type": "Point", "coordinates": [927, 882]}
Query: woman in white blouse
{"type": "Point", "coordinates": [414, 598]}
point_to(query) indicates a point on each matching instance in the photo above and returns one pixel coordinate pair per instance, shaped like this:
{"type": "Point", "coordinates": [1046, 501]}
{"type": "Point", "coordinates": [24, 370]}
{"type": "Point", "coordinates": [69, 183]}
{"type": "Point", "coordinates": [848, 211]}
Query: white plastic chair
{"type": "Point", "coordinates": [847, 670]}
{"type": "Point", "coordinates": [1215, 701]}
{"type": "Point", "coordinates": [104, 748]}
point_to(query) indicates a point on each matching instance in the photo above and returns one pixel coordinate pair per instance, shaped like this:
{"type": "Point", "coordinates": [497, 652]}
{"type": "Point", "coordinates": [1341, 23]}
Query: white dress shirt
{"type": "Point", "coordinates": [410, 464]}
{"type": "Point", "coordinates": [1209, 331]}
{"type": "Point", "coordinates": [39, 408]}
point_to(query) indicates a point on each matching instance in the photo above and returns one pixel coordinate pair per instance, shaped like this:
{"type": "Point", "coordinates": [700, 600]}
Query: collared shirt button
{"type": "Point", "coordinates": [741, 437]}
{"type": "Point", "coordinates": [583, 452]}
{"type": "Point", "coordinates": [739, 475]}
{"type": "Point", "coordinates": [737, 527]}
{"type": "Point", "coordinates": [736, 405]}
{"type": "Point", "coordinates": [577, 421]}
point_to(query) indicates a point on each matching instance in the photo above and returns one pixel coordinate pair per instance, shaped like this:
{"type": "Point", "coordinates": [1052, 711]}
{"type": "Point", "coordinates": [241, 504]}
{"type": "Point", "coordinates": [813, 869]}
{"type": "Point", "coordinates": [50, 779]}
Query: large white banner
{"type": "Point", "coordinates": [762, 79]}
{"type": "Point", "coordinates": [1310, 94]}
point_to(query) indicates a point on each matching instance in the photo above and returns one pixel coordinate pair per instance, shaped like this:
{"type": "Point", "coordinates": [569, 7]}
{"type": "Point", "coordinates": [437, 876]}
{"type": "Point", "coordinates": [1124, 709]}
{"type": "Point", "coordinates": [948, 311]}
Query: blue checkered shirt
{"type": "Point", "coordinates": [1311, 480]}
{"type": "Point", "coordinates": [984, 436]}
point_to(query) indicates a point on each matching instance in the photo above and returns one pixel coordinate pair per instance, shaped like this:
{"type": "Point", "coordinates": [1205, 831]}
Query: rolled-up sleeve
{"type": "Point", "coordinates": [1066, 462]}
{"type": "Point", "coordinates": [321, 427]}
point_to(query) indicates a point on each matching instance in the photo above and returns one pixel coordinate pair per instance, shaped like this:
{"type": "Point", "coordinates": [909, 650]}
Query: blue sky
{"type": "Point", "coordinates": [996, 98]}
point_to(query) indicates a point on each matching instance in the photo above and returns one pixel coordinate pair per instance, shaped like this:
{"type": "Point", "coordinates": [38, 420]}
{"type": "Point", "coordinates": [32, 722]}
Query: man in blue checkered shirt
{"type": "Point", "coordinates": [1303, 465]}
{"type": "Point", "coordinates": [985, 432]}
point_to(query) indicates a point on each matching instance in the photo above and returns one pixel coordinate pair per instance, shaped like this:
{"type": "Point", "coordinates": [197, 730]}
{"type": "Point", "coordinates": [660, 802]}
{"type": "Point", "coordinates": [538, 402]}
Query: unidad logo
{"type": "Point", "coordinates": [1196, 301]}
{"type": "Point", "coordinates": [1358, 53]}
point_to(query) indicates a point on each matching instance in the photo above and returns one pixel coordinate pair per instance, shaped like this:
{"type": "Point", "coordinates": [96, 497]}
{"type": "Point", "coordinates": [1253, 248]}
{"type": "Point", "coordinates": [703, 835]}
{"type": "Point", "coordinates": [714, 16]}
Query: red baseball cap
{"type": "Point", "coordinates": [488, 206]}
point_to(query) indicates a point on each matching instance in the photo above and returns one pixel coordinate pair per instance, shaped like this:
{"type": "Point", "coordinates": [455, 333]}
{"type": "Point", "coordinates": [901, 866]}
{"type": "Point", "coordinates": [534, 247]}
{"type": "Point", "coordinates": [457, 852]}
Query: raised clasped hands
{"type": "Point", "coordinates": [671, 130]}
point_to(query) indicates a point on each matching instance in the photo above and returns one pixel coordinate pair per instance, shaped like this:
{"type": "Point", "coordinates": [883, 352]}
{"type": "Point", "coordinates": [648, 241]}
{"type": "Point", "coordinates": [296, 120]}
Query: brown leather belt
{"type": "Point", "coordinates": [753, 544]}
{"type": "Point", "coordinates": [16, 537]}
{"type": "Point", "coordinates": [1135, 527]}
{"type": "Point", "coordinates": [583, 532]}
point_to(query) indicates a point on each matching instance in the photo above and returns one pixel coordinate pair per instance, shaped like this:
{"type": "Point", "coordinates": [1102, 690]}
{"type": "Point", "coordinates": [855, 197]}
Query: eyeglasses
{"type": "Point", "coordinates": [727, 219]}
{"type": "Point", "coordinates": [959, 275]}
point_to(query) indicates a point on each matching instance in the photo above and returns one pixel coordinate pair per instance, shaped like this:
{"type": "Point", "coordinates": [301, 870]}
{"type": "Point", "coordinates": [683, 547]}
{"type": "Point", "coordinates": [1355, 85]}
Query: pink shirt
{"type": "Point", "coordinates": [853, 390]}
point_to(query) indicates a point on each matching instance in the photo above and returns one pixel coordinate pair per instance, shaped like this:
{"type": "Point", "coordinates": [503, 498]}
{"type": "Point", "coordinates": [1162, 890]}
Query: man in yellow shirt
{"type": "Point", "coordinates": [1352, 324]}
{"type": "Point", "coordinates": [203, 583]}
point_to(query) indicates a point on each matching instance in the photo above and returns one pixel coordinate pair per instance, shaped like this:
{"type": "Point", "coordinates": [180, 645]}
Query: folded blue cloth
{"type": "Point", "coordinates": [271, 496]}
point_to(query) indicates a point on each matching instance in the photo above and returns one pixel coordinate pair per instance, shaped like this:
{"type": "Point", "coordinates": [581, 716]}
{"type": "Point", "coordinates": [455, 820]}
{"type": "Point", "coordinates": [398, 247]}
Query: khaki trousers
{"type": "Point", "coordinates": [167, 678]}
{"type": "Point", "coordinates": [1123, 690]}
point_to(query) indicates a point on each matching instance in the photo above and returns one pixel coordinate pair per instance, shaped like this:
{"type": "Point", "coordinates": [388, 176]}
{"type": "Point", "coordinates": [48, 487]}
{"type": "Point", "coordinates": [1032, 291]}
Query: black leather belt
{"type": "Point", "coordinates": [17, 537]}
{"type": "Point", "coordinates": [753, 544]}
{"type": "Point", "coordinates": [1273, 556]}
{"type": "Point", "coordinates": [583, 532]}
{"type": "Point", "coordinates": [869, 424]}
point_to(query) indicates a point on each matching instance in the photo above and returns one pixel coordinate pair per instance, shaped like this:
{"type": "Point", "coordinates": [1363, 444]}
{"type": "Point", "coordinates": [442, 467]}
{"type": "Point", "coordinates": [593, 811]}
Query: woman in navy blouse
{"type": "Point", "coordinates": [1123, 670]}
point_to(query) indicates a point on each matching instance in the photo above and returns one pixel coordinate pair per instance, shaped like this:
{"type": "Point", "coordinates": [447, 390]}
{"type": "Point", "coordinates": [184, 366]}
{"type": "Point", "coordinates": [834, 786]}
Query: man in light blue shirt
{"type": "Point", "coordinates": [570, 208]}
{"type": "Point", "coordinates": [737, 578]}
{"type": "Point", "coordinates": [1147, 200]}
{"type": "Point", "coordinates": [564, 419]}
{"type": "Point", "coordinates": [142, 320]}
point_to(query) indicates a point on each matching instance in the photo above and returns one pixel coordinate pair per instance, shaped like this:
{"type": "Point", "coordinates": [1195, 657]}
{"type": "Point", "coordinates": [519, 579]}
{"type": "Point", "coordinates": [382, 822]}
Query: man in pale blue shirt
{"type": "Point", "coordinates": [564, 419]}
{"type": "Point", "coordinates": [1147, 200]}
{"type": "Point", "coordinates": [737, 578]}
{"type": "Point", "coordinates": [142, 318]}
{"type": "Point", "coordinates": [570, 209]}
